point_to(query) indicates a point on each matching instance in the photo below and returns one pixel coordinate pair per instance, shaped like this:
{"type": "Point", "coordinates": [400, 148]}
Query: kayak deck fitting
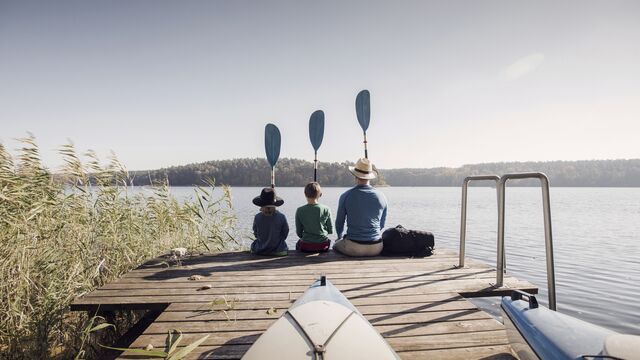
{"type": "Point", "coordinates": [417, 304]}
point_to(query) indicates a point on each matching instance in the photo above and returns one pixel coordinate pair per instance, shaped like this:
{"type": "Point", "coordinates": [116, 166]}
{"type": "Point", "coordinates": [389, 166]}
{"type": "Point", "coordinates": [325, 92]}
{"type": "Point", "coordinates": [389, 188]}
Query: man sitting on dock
{"type": "Point", "coordinates": [365, 210]}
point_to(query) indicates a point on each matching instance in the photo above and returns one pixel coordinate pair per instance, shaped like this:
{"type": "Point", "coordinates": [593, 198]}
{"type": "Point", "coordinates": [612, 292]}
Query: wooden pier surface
{"type": "Point", "coordinates": [417, 304]}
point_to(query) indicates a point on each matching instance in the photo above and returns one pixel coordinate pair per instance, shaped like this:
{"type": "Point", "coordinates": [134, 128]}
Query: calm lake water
{"type": "Point", "coordinates": [596, 233]}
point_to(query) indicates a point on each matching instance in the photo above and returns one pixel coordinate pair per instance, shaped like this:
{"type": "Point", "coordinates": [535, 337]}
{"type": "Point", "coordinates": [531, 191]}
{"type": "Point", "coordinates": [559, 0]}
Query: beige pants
{"type": "Point", "coordinates": [352, 248]}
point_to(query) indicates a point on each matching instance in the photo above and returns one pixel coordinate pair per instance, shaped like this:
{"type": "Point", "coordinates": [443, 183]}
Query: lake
{"type": "Point", "coordinates": [596, 234]}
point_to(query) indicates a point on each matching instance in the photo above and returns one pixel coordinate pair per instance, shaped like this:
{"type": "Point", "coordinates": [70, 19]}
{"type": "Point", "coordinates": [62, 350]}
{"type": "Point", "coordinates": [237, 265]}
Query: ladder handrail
{"type": "Point", "coordinates": [546, 207]}
{"type": "Point", "coordinates": [463, 215]}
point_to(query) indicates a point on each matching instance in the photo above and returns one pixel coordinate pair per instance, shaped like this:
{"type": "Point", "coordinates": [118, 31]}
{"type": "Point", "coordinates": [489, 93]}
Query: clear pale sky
{"type": "Point", "coordinates": [452, 82]}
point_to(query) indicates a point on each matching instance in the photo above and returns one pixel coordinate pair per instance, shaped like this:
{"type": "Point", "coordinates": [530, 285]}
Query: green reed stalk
{"type": "Point", "coordinates": [64, 234]}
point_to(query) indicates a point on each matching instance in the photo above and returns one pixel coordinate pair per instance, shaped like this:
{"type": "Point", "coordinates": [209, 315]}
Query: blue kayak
{"type": "Point", "coordinates": [535, 332]}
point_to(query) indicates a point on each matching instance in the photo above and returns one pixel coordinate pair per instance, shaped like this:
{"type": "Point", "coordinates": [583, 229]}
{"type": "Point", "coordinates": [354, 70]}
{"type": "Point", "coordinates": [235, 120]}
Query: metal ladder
{"type": "Point", "coordinates": [501, 183]}
{"type": "Point", "coordinates": [463, 216]}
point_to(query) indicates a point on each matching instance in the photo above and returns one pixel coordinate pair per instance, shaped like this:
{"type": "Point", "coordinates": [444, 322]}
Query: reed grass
{"type": "Point", "coordinates": [64, 234]}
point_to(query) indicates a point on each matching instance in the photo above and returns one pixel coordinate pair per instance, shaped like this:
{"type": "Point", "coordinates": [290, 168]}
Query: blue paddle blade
{"type": "Point", "coordinates": [316, 129]}
{"type": "Point", "coordinates": [272, 143]}
{"type": "Point", "coordinates": [363, 109]}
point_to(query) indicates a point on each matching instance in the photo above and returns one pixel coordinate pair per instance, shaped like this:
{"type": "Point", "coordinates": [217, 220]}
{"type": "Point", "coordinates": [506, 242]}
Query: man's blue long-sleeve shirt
{"type": "Point", "coordinates": [365, 210]}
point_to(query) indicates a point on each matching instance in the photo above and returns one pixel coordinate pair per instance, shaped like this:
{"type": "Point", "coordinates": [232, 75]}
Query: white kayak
{"type": "Point", "coordinates": [321, 324]}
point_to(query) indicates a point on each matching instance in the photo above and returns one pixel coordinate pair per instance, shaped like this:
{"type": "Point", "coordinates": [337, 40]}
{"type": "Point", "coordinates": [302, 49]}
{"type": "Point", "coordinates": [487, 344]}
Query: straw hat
{"type": "Point", "coordinates": [363, 170]}
{"type": "Point", "coordinates": [267, 198]}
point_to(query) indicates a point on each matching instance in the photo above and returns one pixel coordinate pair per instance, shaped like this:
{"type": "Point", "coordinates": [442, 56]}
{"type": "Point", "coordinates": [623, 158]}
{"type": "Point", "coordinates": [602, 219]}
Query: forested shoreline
{"type": "Point", "coordinates": [296, 172]}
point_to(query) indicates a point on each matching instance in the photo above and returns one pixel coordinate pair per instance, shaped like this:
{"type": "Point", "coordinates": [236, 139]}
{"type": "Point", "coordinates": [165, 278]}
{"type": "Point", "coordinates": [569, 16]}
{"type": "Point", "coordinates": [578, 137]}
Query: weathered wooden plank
{"type": "Point", "coordinates": [233, 254]}
{"type": "Point", "coordinates": [369, 282]}
{"type": "Point", "coordinates": [343, 276]}
{"type": "Point", "coordinates": [134, 301]}
{"type": "Point", "coordinates": [389, 331]}
{"type": "Point", "coordinates": [448, 341]}
{"type": "Point", "coordinates": [442, 327]}
{"type": "Point", "coordinates": [262, 324]}
{"type": "Point", "coordinates": [174, 273]}
{"type": "Point", "coordinates": [362, 303]}
{"type": "Point", "coordinates": [399, 344]}
{"type": "Point", "coordinates": [451, 285]}
{"type": "Point", "coordinates": [246, 257]}
{"type": "Point", "coordinates": [433, 267]}
{"type": "Point", "coordinates": [488, 351]}
{"type": "Point", "coordinates": [294, 257]}
{"type": "Point", "coordinates": [302, 281]}
{"type": "Point", "coordinates": [207, 313]}
{"type": "Point", "coordinates": [126, 302]}
{"type": "Point", "coordinates": [286, 268]}
{"type": "Point", "coordinates": [492, 352]}
{"type": "Point", "coordinates": [275, 263]}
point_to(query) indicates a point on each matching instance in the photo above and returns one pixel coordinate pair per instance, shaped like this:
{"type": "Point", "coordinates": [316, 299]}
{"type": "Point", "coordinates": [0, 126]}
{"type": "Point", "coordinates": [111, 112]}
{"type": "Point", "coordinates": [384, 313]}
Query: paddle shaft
{"type": "Point", "coordinates": [315, 167]}
{"type": "Point", "coordinates": [366, 153]}
{"type": "Point", "coordinates": [273, 178]}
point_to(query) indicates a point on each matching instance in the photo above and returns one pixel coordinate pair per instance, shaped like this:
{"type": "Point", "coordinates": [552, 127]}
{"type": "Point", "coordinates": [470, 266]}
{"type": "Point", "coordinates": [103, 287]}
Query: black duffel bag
{"type": "Point", "coordinates": [399, 241]}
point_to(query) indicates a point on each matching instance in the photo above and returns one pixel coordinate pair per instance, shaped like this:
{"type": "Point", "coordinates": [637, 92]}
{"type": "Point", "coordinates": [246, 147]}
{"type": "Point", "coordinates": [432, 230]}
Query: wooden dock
{"type": "Point", "coordinates": [417, 304]}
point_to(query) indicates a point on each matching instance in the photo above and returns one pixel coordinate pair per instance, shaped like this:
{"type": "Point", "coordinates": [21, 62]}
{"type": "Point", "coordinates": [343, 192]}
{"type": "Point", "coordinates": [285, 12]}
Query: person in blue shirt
{"type": "Point", "coordinates": [365, 211]}
{"type": "Point", "coordinates": [270, 226]}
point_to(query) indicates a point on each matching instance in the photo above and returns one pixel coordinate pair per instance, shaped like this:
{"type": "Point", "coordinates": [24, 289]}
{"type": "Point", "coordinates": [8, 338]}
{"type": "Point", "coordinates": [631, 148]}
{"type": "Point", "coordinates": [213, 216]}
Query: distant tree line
{"type": "Point", "coordinates": [584, 173]}
{"type": "Point", "coordinates": [250, 172]}
{"type": "Point", "coordinates": [296, 172]}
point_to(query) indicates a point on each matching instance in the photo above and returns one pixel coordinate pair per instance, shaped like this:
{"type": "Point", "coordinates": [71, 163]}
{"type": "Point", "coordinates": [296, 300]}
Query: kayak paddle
{"type": "Point", "coordinates": [316, 133]}
{"type": "Point", "coordinates": [272, 148]}
{"type": "Point", "coordinates": [363, 111]}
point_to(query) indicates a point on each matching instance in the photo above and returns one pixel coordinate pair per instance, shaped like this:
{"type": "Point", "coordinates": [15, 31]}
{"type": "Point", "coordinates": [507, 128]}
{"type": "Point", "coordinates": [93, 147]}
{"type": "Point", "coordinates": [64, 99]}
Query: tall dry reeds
{"type": "Point", "coordinates": [63, 235]}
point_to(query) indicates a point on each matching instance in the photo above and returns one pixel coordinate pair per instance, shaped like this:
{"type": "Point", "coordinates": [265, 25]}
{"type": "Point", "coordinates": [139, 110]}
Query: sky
{"type": "Point", "coordinates": [164, 83]}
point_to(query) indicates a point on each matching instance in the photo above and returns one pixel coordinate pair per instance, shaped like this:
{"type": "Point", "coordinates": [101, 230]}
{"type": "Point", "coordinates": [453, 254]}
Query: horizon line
{"type": "Point", "coordinates": [400, 168]}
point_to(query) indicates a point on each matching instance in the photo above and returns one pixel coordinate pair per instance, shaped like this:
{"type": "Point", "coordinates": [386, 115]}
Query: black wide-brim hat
{"type": "Point", "coordinates": [267, 198]}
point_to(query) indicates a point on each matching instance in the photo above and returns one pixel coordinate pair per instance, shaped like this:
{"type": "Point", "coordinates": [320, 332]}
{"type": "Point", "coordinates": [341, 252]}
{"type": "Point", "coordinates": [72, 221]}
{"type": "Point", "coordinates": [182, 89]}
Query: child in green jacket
{"type": "Point", "coordinates": [313, 222]}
